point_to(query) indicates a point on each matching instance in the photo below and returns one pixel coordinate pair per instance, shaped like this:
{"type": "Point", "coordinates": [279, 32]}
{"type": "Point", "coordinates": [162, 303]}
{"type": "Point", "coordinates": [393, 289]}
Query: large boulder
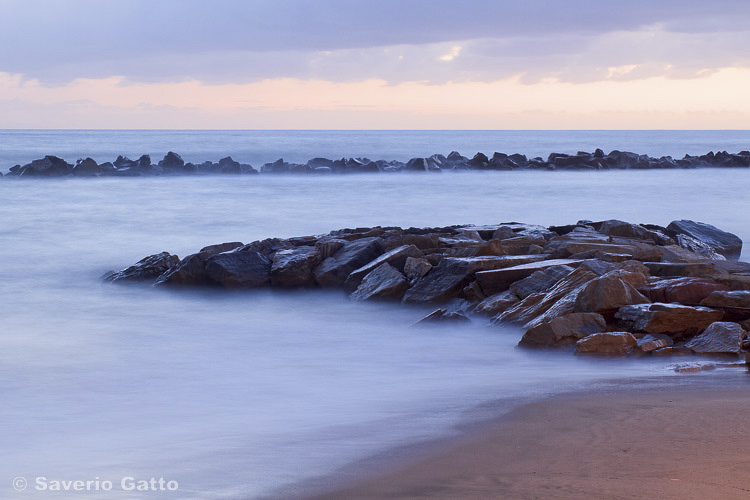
{"type": "Point", "coordinates": [396, 258]}
{"type": "Point", "coordinates": [727, 244]}
{"type": "Point", "coordinates": [334, 270]}
{"type": "Point", "coordinates": [239, 269]}
{"type": "Point", "coordinates": [607, 294]}
{"type": "Point", "coordinates": [719, 337]}
{"type": "Point", "coordinates": [607, 344]}
{"type": "Point", "coordinates": [415, 268]}
{"type": "Point", "coordinates": [49, 166]}
{"type": "Point", "coordinates": [540, 281]}
{"type": "Point", "coordinates": [293, 267]}
{"type": "Point", "coordinates": [563, 330]}
{"type": "Point", "coordinates": [172, 160]}
{"type": "Point", "coordinates": [383, 282]}
{"type": "Point", "coordinates": [667, 318]}
{"type": "Point", "coordinates": [147, 268]}
{"type": "Point", "coordinates": [737, 299]}
{"type": "Point", "coordinates": [498, 303]}
{"type": "Point", "coordinates": [191, 270]}
{"type": "Point", "coordinates": [87, 168]}
{"type": "Point", "coordinates": [688, 291]}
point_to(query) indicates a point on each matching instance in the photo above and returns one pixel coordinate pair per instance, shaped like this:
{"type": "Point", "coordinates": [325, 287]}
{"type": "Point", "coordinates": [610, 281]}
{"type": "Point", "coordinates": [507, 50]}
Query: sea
{"type": "Point", "coordinates": [266, 394]}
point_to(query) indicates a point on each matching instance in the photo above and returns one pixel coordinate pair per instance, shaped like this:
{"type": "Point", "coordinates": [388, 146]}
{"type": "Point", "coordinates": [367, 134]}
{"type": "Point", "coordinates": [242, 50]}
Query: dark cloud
{"type": "Point", "coordinates": [396, 40]}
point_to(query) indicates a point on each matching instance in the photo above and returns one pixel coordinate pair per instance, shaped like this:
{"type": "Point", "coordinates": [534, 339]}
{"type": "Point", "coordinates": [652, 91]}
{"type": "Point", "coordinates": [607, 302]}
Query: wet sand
{"type": "Point", "coordinates": [666, 444]}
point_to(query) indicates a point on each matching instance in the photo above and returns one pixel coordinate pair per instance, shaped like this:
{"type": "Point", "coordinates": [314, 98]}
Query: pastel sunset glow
{"type": "Point", "coordinates": [422, 65]}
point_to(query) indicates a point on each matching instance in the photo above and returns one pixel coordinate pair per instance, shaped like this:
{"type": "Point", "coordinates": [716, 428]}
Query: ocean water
{"type": "Point", "coordinates": [241, 395]}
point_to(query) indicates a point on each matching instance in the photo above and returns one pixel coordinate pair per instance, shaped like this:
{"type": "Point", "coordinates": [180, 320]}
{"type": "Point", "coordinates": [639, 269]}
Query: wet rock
{"type": "Point", "coordinates": [654, 341]}
{"type": "Point", "coordinates": [737, 299]}
{"type": "Point", "coordinates": [294, 267]}
{"type": "Point", "coordinates": [540, 281]}
{"type": "Point", "coordinates": [557, 301]}
{"type": "Point", "coordinates": [448, 279]}
{"type": "Point", "coordinates": [725, 243]}
{"type": "Point", "coordinates": [672, 351]}
{"type": "Point", "coordinates": [563, 330]}
{"type": "Point", "coordinates": [498, 303]}
{"type": "Point", "coordinates": [415, 268]}
{"type": "Point", "coordinates": [667, 318]}
{"type": "Point", "coordinates": [383, 282]}
{"type": "Point", "coordinates": [172, 160]}
{"type": "Point", "coordinates": [334, 270]}
{"type": "Point", "coordinates": [623, 229]}
{"type": "Point", "coordinates": [693, 367]}
{"type": "Point", "coordinates": [444, 315]}
{"type": "Point", "coordinates": [145, 269]}
{"type": "Point", "coordinates": [607, 344]}
{"type": "Point", "coordinates": [607, 294]}
{"type": "Point", "coordinates": [688, 291]}
{"type": "Point", "coordinates": [396, 258]}
{"type": "Point", "coordinates": [673, 269]}
{"type": "Point", "coordinates": [499, 280]}
{"type": "Point", "coordinates": [718, 337]}
{"type": "Point", "coordinates": [87, 167]}
{"type": "Point", "coordinates": [191, 270]}
{"type": "Point", "coordinates": [329, 246]}
{"type": "Point", "coordinates": [239, 269]}
{"type": "Point", "coordinates": [49, 166]}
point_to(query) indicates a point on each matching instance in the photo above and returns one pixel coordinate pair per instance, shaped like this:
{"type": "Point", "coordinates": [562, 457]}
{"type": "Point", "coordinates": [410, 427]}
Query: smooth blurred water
{"type": "Point", "coordinates": [234, 395]}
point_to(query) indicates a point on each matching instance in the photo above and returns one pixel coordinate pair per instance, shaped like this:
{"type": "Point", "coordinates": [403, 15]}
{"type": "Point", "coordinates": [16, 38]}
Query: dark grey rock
{"type": "Point", "coordinates": [145, 269]}
{"type": "Point", "coordinates": [334, 270]}
{"type": "Point", "coordinates": [727, 244]}
{"type": "Point", "coordinates": [239, 269]}
{"type": "Point", "coordinates": [383, 282]}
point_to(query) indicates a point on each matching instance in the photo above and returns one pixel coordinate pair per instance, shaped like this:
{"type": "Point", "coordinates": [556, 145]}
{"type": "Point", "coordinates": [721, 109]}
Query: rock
{"type": "Point", "coordinates": [396, 258]}
{"type": "Point", "coordinates": [688, 291]}
{"type": "Point", "coordinates": [448, 279]}
{"type": "Point", "coordinates": [654, 341]}
{"type": "Point", "coordinates": [329, 246]}
{"type": "Point", "coordinates": [191, 270]}
{"type": "Point", "coordinates": [563, 330]}
{"type": "Point", "coordinates": [667, 318]}
{"type": "Point", "coordinates": [239, 269]}
{"type": "Point", "coordinates": [294, 267]}
{"type": "Point", "coordinates": [540, 281]}
{"type": "Point", "coordinates": [49, 166]}
{"type": "Point", "coordinates": [718, 337]}
{"type": "Point", "coordinates": [737, 299]}
{"type": "Point", "coordinates": [671, 269]}
{"type": "Point", "coordinates": [147, 268]}
{"type": "Point", "coordinates": [87, 167]}
{"type": "Point", "coordinates": [444, 315]}
{"type": "Point", "coordinates": [607, 344]}
{"type": "Point", "coordinates": [415, 268]}
{"type": "Point", "coordinates": [171, 160]}
{"type": "Point", "coordinates": [693, 367]}
{"type": "Point", "coordinates": [727, 244]}
{"type": "Point", "coordinates": [499, 280]}
{"type": "Point", "coordinates": [383, 282]}
{"type": "Point", "coordinates": [607, 294]}
{"type": "Point", "coordinates": [498, 303]}
{"type": "Point", "coordinates": [623, 229]}
{"type": "Point", "coordinates": [334, 270]}
{"type": "Point", "coordinates": [541, 307]}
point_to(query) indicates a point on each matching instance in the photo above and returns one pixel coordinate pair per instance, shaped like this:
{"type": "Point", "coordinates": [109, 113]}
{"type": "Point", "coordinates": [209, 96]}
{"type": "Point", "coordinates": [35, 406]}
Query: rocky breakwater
{"type": "Point", "coordinates": [607, 287]}
{"type": "Point", "coordinates": [173, 164]}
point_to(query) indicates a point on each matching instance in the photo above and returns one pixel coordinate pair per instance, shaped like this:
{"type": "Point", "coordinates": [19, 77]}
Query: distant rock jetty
{"type": "Point", "coordinates": [607, 287]}
{"type": "Point", "coordinates": [173, 164]}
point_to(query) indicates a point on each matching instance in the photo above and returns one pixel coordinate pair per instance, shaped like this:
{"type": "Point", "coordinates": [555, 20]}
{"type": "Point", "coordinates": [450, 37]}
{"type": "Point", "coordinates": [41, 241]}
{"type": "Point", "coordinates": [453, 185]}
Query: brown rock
{"type": "Point", "coordinates": [328, 246]}
{"type": "Point", "coordinates": [383, 282]}
{"type": "Point", "coordinates": [739, 299]}
{"type": "Point", "coordinates": [654, 341]}
{"type": "Point", "coordinates": [334, 270]}
{"type": "Point", "coordinates": [563, 330]}
{"type": "Point", "coordinates": [666, 318]}
{"type": "Point", "coordinates": [540, 281]}
{"type": "Point", "coordinates": [497, 303]}
{"type": "Point", "coordinates": [607, 344]}
{"type": "Point", "coordinates": [704, 269]}
{"type": "Point", "coordinates": [607, 294]}
{"type": "Point", "coordinates": [718, 337]}
{"type": "Point", "coordinates": [499, 280]}
{"type": "Point", "coordinates": [396, 258]}
{"type": "Point", "coordinates": [294, 267]}
{"type": "Point", "coordinates": [688, 291]}
{"type": "Point", "coordinates": [415, 268]}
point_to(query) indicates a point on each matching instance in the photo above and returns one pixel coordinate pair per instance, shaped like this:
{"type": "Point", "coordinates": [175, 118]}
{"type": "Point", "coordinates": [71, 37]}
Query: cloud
{"type": "Point", "coordinates": [237, 41]}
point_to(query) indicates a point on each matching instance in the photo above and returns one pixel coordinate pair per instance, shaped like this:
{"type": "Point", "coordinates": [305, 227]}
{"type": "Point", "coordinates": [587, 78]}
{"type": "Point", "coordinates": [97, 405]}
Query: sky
{"type": "Point", "coordinates": [386, 64]}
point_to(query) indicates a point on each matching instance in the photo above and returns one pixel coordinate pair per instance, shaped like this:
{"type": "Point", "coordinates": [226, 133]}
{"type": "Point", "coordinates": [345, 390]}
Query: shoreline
{"type": "Point", "coordinates": [679, 438]}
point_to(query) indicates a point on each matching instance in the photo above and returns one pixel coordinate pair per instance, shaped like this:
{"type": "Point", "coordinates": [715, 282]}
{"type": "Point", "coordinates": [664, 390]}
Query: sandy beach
{"type": "Point", "coordinates": [668, 444]}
